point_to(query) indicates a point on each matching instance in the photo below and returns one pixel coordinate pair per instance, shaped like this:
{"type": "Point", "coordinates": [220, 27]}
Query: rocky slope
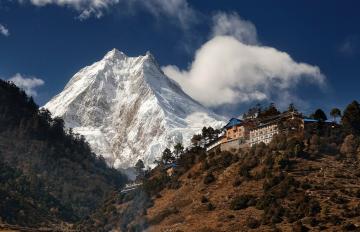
{"type": "Point", "coordinates": [127, 109]}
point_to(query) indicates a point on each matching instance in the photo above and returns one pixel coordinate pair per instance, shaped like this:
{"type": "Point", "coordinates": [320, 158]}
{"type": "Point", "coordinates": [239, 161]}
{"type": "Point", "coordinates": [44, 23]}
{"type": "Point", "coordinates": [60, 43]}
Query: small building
{"type": "Point", "coordinates": [170, 169]}
{"type": "Point", "coordinates": [131, 187]}
{"type": "Point", "coordinates": [234, 129]}
{"type": "Point", "coordinates": [235, 135]}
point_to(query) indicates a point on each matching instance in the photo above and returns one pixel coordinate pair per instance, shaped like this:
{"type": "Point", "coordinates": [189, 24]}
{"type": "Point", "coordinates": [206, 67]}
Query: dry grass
{"type": "Point", "coordinates": [193, 215]}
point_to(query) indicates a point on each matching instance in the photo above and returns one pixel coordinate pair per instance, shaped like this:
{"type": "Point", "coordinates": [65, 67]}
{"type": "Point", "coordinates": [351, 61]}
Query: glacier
{"type": "Point", "coordinates": [128, 109]}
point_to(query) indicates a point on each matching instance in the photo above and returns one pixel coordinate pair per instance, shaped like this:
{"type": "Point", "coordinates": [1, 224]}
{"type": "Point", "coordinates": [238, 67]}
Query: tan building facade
{"type": "Point", "coordinates": [234, 133]}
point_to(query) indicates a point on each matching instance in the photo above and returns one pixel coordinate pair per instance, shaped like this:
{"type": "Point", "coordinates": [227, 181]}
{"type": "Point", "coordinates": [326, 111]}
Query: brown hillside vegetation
{"type": "Point", "coordinates": [293, 184]}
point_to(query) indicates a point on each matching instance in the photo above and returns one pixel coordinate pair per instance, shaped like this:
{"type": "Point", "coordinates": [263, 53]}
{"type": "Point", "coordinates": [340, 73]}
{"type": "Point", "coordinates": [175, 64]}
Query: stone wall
{"type": "Point", "coordinates": [233, 145]}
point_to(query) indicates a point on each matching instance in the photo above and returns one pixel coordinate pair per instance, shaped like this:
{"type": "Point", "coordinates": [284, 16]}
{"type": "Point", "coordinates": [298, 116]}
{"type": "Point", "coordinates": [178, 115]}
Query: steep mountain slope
{"type": "Point", "coordinates": [127, 109]}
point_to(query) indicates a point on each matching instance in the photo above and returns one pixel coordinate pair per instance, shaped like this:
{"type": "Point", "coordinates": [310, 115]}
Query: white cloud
{"type": "Point", "coordinates": [233, 25]}
{"type": "Point", "coordinates": [28, 84]}
{"type": "Point", "coordinates": [4, 31]}
{"type": "Point", "coordinates": [230, 68]}
{"type": "Point", "coordinates": [179, 10]}
{"type": "Point", "coordinates": [86, 8]}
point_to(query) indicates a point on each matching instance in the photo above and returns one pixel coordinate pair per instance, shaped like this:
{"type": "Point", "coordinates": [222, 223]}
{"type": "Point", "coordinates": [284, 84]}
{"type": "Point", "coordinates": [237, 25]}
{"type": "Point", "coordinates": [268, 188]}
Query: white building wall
{"type": "Point", "coordinates": [263, 134]}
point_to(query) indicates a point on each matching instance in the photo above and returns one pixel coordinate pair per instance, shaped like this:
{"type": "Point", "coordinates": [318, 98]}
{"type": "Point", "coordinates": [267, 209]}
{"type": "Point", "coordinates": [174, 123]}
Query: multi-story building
{"type": "Point", "coordinates": [263, 133]}
{"type": "Point", "coordinates": [235, 134]}
{"type": "Point", "coordinates": [268, 127]}
{"type": "Point", "coordinates": [234, 130]}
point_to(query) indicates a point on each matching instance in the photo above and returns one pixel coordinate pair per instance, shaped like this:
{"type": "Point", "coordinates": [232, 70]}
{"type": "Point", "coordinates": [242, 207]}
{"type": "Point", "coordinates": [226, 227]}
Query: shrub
{"type": "Point", "coordinates": [349, 146]}
{"type": "Point", "coordinates": [351, 213]}
{"type": "Point", "coordinates": [306, 186]}
{"type": "Point", "coordinates": [237, 182]}
{"type": "Point", "coordinates": [299, 227]}
{"type": "Point", "coordinates": [175, 184]}
{"type": "Point", "coordinates": [286, 186]}
{"type": "Point", "coordinates": [204, 199]}
{"type": "Point", "coordinates": [269, 161]}
{"type": "Point", "coordinates": [273, 214]}
{"type": "Point", "coordinates": [162, 215]}
{"type": "Point", "coordinates": [338, 199]}
{"type": "Point", "coordinates": [305, 206]}
{"type": "Point", "coordinates": [242, 202]}
{"type": "Point", "coordinates": [244, 171]}
{"type": "Point", "coordinates": [205, 165]}
{"type": "Point", "coordinates": [227, 159]}
{"type": "Point", "coordinates": [284, 162]}
{"type": "Point", "coordinates": [261, 174]}
{"type": "Point", "coordinates": [350, 227]}
{"type": "Point", "coordinates": [230, 216]}
{"type": "Point", "coordinates": [252, 223]}
{"type": "Point", "coordinates": [265, 202]}
{"type": "Point", "coordinates": [209, 178]}
{"type": "Point", "coordinates": [155, 185]}
{"type": "Point", "coordinates": [272, 181]}
{"type": "Point", "coordinates": [210, 206]}
{"type": "Point", "coordinates": [357, 193]}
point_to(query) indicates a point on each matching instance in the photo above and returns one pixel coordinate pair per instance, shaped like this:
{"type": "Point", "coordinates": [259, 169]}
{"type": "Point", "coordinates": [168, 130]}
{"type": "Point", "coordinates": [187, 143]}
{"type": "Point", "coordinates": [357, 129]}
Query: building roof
{"type": "Point", "coordinates": [233, 122]}
{"type": "Point", "coordinates": [314, 120]}
{"type": "Point", "coordinates": [310, 120]}
{"type": "Point", "coordinates": [172, 165]}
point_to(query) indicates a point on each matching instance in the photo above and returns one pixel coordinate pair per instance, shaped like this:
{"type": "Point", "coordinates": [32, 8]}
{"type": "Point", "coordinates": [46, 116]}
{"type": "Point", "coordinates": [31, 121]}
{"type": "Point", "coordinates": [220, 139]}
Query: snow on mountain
{"type": "Point", "coordinates": [127, 109]}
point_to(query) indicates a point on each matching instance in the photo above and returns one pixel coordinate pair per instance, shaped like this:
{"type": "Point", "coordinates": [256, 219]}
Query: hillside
{"type": "Point", "coordinates": [48, 176]}
{"type": "Point", "coordinates": [262, 193]}
{"type": "Point", "coordinates": [299, 182]}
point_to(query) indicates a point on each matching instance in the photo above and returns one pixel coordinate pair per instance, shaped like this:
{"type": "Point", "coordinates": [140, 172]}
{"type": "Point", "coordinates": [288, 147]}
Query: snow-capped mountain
{"type": "Point", "coordinates": [127, 109]}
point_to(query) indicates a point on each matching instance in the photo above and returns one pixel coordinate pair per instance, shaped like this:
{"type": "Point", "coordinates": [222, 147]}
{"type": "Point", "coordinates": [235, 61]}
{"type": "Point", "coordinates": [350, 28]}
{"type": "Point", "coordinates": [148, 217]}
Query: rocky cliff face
{"type": "Point", "coordinates": [127, 109]}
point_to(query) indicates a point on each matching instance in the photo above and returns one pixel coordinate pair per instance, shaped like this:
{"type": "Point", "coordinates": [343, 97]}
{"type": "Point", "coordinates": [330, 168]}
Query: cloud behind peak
{"type": "Point", "coordinates": [232, 68]}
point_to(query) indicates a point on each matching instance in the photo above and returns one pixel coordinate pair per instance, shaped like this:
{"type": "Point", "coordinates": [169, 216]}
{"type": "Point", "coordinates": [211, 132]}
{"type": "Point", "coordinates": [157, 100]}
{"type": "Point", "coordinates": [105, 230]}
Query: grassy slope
{"type": "Point", "coordinates": [193, 215]}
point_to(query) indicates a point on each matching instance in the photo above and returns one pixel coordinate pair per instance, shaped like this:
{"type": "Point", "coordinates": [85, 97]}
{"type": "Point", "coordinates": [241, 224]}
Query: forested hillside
{"type": "Point", "coordinates": [47, 175]}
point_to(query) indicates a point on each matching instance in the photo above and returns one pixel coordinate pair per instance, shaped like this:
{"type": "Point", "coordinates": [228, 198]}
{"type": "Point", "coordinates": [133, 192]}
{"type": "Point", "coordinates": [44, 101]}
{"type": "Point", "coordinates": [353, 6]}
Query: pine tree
{"type": "Point", "coordinates": [271, 110]}
{"type": "Point", "coordinates": [196, 140]}
{"type": "Point", "coordinates": [139, 167]}
{"type": "Point", "coordinates": [292, 108]}
{"type": "Point", "coordinates": [335, 113]}
{"type": "Point", "coordinates": [319, 115]}
{"type": "Point", "coordinates": [178, 150]}
{"type": "Point", "coordinates": [167, 156]}
{"type": "Point", "coordinates": [351, 118]}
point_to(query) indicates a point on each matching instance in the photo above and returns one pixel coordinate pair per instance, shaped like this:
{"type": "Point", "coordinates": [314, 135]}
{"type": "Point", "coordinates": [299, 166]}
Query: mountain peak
{"type": "Point", "coordinates": [115, 54]}
{"type": "Point", "coordinates": [127, 109]}
{"type": "Point", "coordinates": [150, 60]}
{"type": "Point", "coordinates": [149, 55]}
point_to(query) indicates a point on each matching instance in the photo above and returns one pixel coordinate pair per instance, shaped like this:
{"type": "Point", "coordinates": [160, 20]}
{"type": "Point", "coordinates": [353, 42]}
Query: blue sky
{"type": "Point", "coordinates": [44, 42]}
